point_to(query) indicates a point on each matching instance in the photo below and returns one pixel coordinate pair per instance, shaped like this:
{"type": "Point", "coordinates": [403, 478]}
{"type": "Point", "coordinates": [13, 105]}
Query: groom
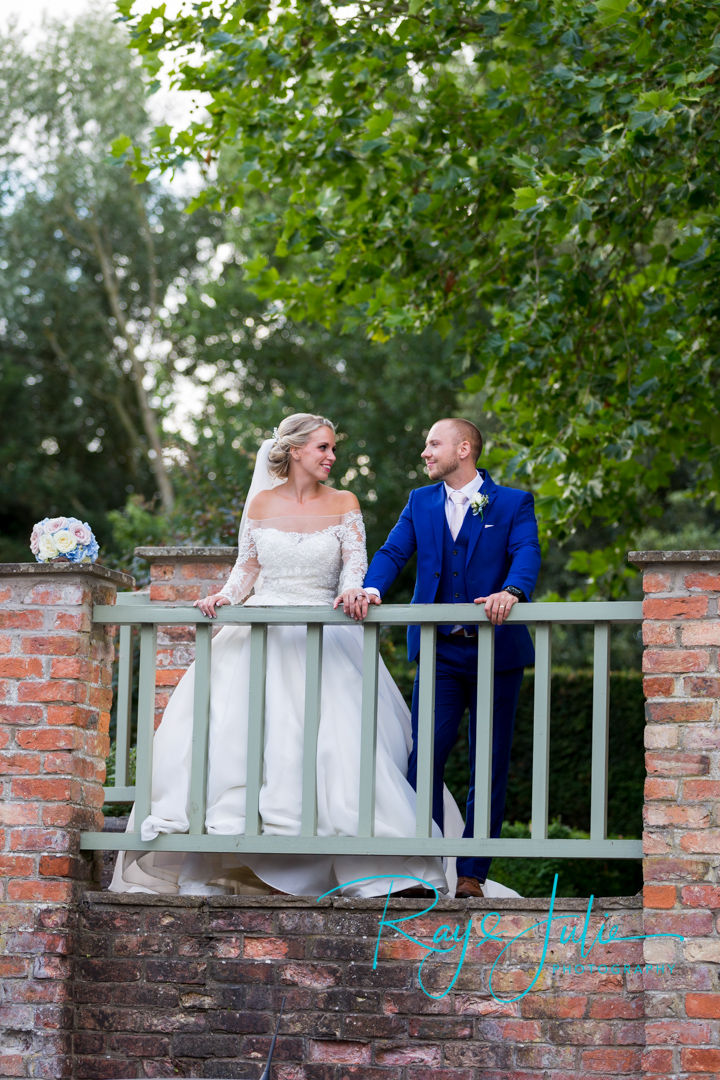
{"type": "Point", "coordinates": [491, 558]}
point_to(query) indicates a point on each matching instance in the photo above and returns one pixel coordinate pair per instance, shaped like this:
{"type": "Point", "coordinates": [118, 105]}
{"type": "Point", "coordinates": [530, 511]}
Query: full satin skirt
{"type": "Point", "coordinates": [338, 765]}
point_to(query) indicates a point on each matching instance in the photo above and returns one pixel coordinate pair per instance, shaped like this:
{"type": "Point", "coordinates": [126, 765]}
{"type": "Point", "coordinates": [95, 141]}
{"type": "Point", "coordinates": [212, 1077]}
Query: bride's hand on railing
{"type": "Point", "coordinates": [355, 602]}
{"type": "Point", "coordinates": [208, 605]}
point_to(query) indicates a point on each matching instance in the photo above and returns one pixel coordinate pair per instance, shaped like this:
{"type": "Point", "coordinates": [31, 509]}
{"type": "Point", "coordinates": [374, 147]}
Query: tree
{"type": "Point", "coordinates": [540, 174]}
{"type": "Point", "coordinates": [86, 261]}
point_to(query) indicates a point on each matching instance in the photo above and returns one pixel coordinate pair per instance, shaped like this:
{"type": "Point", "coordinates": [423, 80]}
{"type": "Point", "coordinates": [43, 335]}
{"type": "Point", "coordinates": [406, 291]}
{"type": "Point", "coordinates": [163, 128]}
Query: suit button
{"type": "Point", "coordinates": [454, 573]}
{"type": "Point", "coordinates": [437, 573]}
{"type": "Point", "coordinates": [454, 552]}
{"type": "Point", "coordinates": [456, 595]}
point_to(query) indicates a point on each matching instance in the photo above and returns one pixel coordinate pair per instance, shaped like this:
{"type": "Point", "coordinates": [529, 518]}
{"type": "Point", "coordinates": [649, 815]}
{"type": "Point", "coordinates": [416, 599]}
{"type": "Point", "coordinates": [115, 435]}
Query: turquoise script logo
{"type": "Point", "coordinates": [447, 939]}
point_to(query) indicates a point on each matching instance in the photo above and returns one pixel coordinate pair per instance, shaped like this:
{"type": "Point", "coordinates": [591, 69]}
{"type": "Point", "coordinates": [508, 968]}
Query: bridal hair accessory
{"type": "Point", "coordinates": [65, 538]}
{"type": "Point", "coordinates": [478, 503]}
{"type": "Point", "coordinates": [276, 435]}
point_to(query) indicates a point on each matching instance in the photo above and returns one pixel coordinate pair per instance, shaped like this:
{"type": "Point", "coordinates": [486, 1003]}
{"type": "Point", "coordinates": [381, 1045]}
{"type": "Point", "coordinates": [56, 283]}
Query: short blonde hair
{"type": "Point", "coordinates": [293, 433]}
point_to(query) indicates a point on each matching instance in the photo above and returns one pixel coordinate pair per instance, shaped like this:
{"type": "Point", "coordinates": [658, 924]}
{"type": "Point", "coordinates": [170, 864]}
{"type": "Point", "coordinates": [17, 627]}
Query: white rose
{"type": "Point", "coordinates": [64, 541]}
{"type": "Point", "coordinates": [47, 548]}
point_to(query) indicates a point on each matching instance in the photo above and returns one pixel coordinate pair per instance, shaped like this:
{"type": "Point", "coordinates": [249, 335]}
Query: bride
{"type": "Point", "coordinates": [300, 543]}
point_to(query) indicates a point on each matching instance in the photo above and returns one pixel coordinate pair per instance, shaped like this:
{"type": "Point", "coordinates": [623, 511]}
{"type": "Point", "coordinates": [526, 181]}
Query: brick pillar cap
{"type": "Point", "coordinates": [194, 553]}
{"type": "Point", "coordinates": [641, 557]}
{"type": "Point", "coordinates": [94, 570]}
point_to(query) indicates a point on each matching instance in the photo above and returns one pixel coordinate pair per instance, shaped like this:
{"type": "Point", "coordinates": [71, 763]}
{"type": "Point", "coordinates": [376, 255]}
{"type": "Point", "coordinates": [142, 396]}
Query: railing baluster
{"type": "Point", "coordinates": [146, 722]}
{"type": "Point", "coordinates": [426, 729]}
{"type": "Point", "coordinates": [368, 729]}
{"type": "Point", "coordinates": [427, 617]}
{"type": "Point", "coordinates": [541, 731]}
{"type": "Point", "coordinates": [600, 732]}
{"type": "Point", "coordinates": [313, 694]}
{"type": "Point", "coordinates": [197, 795]}
{"type": "Point", "coordinates": [124, 704]}
{"type": "Point", "coordinates": [484, 730]}
{"type": "Point", "coordinates": [122, 790]}
{"type": "Point", "coordinates": [256, 728]}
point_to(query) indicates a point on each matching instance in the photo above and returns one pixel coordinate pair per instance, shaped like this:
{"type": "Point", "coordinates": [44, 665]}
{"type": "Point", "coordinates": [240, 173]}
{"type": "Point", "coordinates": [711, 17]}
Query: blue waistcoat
{"type": "Point", "coordinates": [453, 587]}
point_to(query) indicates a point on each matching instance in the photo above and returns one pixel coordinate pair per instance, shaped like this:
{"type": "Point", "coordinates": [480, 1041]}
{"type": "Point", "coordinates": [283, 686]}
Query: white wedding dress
{"type": "Point", "coordinates": [289, 561]}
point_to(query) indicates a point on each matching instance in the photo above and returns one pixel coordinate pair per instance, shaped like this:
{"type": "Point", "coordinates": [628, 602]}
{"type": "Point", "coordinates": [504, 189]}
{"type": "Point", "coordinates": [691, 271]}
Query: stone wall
{"type": "Point", "coordinates": [191, 987]}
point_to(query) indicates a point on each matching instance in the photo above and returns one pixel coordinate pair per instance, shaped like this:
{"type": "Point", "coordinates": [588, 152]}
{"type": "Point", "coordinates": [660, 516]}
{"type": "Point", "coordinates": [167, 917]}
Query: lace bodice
{"type": "Point", "coordinates": [299, 560]}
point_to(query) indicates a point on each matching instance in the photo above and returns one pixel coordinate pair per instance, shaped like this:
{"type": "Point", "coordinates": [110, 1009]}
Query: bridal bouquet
{"type": "Point", "coordinates": [63, 538]}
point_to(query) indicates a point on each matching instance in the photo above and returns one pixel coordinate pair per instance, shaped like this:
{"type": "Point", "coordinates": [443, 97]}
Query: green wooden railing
{"type": "Point", "coordinates": [134, 611]}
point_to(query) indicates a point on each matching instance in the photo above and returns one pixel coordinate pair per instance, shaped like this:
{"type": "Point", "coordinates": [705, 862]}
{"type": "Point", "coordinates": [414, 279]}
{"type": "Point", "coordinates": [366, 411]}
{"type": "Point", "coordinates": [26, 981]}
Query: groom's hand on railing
{"type": "Point", "coordinates": [497, 606]}
{"type": "Point", "coordinates": [355, 602]}
{"type": "Point", "coordinates": [208, 605]}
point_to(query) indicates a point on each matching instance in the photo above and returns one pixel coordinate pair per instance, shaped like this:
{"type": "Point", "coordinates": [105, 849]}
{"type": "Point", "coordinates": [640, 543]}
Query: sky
{"type": "Point", "coordinates": [165, 106]}
{"type": "Point", "coordinates": [29, 13]}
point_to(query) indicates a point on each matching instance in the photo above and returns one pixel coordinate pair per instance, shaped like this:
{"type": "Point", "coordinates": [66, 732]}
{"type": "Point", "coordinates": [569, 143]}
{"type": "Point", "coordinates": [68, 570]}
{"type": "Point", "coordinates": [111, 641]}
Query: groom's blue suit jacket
{"type": "Point", "coordinates": [502, 549]}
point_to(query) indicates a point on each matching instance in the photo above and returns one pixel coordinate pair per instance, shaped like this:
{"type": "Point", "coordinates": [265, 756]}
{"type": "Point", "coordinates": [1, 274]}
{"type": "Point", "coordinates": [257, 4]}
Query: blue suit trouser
{"type": "Point", "coordinates": [456, 691]}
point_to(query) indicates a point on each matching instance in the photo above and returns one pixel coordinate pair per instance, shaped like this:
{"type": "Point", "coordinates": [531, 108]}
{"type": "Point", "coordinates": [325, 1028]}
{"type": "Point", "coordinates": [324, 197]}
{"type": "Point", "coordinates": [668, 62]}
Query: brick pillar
{"type": "Point", "coordinates": [681, 632]}
{"type": "Point", "coordinates": [55, 694]}
{"type": "Point", "coordinates": [178, 576]}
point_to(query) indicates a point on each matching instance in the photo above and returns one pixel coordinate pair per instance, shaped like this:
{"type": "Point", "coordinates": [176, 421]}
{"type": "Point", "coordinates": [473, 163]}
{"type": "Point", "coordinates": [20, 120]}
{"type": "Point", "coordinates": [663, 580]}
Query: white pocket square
{"type": "Point", "coordinates": [489, 526]}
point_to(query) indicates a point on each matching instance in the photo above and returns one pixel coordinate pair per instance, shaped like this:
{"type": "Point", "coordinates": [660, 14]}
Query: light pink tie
{"type": "Point", "coordinates": [457, 516]}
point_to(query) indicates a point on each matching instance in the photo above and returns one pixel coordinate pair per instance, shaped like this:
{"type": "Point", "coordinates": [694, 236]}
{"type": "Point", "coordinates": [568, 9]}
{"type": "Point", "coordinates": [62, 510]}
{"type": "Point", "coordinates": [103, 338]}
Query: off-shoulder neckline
{"type": "Point", "coordinates": [305, 517]}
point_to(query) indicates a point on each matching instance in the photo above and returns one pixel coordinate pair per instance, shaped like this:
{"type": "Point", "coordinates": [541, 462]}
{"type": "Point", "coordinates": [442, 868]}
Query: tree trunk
{"type": "Point", "coordinates": [147, 413]}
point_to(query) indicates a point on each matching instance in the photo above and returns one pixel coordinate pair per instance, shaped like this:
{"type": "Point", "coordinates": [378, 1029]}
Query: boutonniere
{"type": "Point", "coordinates": [478, 503]}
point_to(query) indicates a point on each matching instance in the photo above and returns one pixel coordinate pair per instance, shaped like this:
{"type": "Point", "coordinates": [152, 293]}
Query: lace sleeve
{"type": "Point", "coordinates": [354, 551]}
{"type": "Point", "coordinates": [245, 571]}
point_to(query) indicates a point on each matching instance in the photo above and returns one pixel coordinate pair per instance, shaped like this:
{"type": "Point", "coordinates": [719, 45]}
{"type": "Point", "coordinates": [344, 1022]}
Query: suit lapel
{"type": "Point", "coordinates": [437, 513]}
{"type": "Point", "coordinates": [478, 522]}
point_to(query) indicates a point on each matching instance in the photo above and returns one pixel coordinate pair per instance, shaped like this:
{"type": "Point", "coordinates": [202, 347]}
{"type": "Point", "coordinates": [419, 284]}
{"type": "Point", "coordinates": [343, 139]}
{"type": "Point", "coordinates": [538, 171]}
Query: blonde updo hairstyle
{"type": "Point", "coordinates": [292, 434]}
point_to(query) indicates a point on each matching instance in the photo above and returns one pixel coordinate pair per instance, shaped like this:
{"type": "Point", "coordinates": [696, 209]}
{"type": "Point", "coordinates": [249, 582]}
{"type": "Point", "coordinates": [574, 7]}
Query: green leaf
{"type": "Point", "coordinates": [379, 123]}
{"type": "Point", "coordinates": [657, 100]}
{"type": "Point", "coordinates": [375, 146]}
{"type": "Point", "coordinates": [583, 211]}
{"type": "Point", "coordinates": [525, 198]}
{"type": "Point", "coordinates": [415, 6]}
{"type": "Point", "coordinates": [120, 146]}
{"type": "Point", "coordinates": [443, 326]}
{"type": "Point", "coordinates": [254, 267]}
{"type": "Point", "coordinates": [611, 10]}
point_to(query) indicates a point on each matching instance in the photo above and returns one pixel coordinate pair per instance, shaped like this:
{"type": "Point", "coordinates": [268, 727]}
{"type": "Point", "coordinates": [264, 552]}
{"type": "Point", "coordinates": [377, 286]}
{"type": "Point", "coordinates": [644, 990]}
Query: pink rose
{"type": "Point", "coordinates": [35, 538]}
{"type": "Point", "coordinates": [81, 533]}
{"type": "Point", "coordinates": [57, 523]}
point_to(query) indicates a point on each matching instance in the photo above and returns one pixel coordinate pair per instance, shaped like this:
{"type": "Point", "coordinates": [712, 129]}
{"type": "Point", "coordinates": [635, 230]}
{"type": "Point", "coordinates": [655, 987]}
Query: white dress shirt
{"type": "Point", "coordinates": [470, 489]}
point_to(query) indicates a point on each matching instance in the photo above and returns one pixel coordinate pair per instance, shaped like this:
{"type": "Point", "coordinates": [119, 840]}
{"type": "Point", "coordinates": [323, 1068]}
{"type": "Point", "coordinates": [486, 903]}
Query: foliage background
{"type": "Point", "coordinates": [507, 211]}
{"type": "Point", "coordinates": [537, 177]}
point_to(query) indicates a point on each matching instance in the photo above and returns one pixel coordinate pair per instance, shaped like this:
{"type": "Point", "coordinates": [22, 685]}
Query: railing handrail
{"type": "Point", "coordinates": [580, 611]}
{"type": "Point", "coordinates": [135, 610]}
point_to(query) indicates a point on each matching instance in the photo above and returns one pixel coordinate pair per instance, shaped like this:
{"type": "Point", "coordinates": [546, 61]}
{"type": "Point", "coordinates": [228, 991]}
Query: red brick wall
{"type": "Point", "coordinates": [150, 985]}
{"type": "Point", "coordinates": [191, 987]}
{"type": "Point", "coordinates": [682, 813]}
{"type": "Point", "coordinates": [179, 576]}
{"type": "Point", "coordinates": [55, 673]}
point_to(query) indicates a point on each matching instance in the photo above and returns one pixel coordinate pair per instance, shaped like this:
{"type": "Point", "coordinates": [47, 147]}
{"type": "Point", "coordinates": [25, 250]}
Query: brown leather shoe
{"type": "Point", "coordinates": [469, 888]}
